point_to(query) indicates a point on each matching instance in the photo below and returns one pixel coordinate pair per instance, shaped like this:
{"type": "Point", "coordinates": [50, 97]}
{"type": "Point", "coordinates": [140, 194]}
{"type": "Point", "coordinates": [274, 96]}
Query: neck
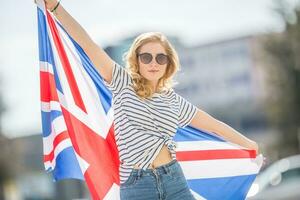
{"type": "Point", "coordinates": [154, 86]}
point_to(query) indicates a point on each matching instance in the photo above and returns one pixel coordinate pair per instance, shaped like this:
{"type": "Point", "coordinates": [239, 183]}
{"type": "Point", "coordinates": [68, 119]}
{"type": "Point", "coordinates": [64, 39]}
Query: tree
{"type": "Point", "coordinates": [283, 102]}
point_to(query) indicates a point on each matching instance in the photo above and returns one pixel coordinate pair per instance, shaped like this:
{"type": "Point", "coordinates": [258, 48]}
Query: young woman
{"type": "Point", "coordinates": [147, 112]}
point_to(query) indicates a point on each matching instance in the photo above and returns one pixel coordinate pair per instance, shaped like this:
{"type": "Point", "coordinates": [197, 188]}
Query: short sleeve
{"type": "Point", "coordinates": [120, 79]}
{"type": "Point", "coordinates": [187, 111]}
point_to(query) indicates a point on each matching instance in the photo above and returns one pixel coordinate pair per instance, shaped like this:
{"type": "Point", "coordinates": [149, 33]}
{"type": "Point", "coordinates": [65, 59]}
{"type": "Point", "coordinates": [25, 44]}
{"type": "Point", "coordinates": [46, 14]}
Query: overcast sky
{"type": "Point", "coordinates": [193, 21]}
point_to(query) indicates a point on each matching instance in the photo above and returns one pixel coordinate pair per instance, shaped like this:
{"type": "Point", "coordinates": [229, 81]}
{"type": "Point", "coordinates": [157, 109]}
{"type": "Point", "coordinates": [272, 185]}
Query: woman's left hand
{"type": "Point", "coordinates": [253, 145]}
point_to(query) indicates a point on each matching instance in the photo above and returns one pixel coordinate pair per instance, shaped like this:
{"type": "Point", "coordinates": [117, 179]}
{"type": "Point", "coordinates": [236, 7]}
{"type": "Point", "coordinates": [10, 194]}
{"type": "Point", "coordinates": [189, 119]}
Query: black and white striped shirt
{"type": "Point", "coordinates": [142, 127]}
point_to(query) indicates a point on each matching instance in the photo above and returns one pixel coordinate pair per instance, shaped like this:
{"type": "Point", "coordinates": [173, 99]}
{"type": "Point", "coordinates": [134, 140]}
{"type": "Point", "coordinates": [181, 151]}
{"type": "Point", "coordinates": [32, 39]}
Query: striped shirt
{"type": "Point", "coordinates": [142, 127]}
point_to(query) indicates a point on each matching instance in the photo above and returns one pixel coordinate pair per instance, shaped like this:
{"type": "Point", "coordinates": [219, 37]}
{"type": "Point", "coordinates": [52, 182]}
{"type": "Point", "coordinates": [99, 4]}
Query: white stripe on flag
{"type": "Point", "coordinates": [57, 126]}
{"type": "Point", "coordinates": [40, 4]}
{"type": "Point", "coordinates": [205, 145]}
{"type": "Point", "coordinates": [46, 67]}
{"type": "Point", "coordinates": [50, 106]}
{"type": "Point", "coordinates": [82, 163]}
{"type": "Point", "coordinates": [196, 195]}
{"type": "Point", "coordinates": [59, 148]}
{"type": "Point", "coordinates": [113, 193]}
{"type": "Point", "coordinates": [219, 168]}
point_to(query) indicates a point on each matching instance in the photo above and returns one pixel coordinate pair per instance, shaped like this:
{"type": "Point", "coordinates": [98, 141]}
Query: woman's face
{"type": "Point", "coordinates": [152, 71]}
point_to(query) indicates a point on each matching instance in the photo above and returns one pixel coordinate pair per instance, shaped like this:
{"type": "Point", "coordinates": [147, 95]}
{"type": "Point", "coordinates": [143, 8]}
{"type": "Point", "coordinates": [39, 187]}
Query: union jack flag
{"type": "Point", "coordinates": [78, 131]}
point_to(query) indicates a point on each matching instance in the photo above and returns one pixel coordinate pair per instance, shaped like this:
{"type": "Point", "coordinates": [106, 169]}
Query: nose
{"type": "Point", "coordinates": [153, 62]}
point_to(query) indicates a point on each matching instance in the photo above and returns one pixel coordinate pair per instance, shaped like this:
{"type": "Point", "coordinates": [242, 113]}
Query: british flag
{"type": "Point", "coordinates": [78, 131]}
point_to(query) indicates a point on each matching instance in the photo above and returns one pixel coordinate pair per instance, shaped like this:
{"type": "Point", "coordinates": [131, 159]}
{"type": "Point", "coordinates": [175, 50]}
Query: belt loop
{"type": "Point", "coordinates": [139, 173]}
{"type": "Point", "coordinates": [166, 169]}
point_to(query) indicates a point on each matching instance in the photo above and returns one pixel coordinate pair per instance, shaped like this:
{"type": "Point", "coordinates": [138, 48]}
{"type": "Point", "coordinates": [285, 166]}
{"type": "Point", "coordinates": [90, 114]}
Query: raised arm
{"type": "Point", "coordinates": [102, 62]}
{"type": "Point", "coordinates": [203, 120]}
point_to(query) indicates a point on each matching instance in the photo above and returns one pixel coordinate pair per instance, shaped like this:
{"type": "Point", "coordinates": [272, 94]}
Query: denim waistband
{"type": "Point", "coordinates": [162, 169]}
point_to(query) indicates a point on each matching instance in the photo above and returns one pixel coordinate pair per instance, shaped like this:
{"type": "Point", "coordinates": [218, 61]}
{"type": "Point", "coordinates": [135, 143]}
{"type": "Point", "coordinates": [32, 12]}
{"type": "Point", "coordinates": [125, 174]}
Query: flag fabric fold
{"type": "Point", "coordinates": [78, 131]}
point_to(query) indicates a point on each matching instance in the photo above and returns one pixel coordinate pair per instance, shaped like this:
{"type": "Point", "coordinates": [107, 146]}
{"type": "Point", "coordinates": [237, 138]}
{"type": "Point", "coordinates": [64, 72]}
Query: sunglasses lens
{"type": "Point", "coordinates": [161, 59]}
{"type": "Point", "coordinates": [146, 58]}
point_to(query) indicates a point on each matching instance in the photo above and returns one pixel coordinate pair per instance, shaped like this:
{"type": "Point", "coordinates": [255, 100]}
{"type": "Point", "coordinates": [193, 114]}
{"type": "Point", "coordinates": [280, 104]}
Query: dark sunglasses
{"type": "Point", "coordinates": [160, 58]}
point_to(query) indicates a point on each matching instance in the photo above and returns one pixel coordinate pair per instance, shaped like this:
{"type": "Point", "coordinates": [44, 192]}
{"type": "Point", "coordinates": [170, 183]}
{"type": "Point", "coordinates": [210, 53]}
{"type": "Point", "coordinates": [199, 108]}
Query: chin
{"type": "Point", "coordinates": [153, 78]}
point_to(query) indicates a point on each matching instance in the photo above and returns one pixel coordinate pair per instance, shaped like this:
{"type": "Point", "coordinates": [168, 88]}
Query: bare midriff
{"type": "Point", "coordinates": [163, 157]}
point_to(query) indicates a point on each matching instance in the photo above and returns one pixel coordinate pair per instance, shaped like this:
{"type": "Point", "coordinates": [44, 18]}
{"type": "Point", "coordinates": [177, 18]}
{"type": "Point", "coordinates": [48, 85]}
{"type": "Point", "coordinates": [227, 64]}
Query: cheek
{"type": "Point", "coordinates": [142, 69]}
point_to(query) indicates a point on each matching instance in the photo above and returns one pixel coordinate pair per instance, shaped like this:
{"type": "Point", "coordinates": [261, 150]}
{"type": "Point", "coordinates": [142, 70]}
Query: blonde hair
{"type": "Point", "coordinates": [140, 84]}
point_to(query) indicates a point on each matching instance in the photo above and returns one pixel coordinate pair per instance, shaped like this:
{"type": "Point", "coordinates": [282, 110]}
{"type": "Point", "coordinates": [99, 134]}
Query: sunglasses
{"type": "Point", "coordinates": [160, 58]}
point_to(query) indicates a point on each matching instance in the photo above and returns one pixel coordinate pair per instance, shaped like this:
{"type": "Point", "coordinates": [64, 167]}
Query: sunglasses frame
{"type": "Point", "coordinates": [156, 59]}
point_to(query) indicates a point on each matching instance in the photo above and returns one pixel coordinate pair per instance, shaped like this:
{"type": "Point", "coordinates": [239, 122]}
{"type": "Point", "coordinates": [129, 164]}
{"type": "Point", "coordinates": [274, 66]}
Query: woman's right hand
{"type": "Point", "coordinates": [50, 4]}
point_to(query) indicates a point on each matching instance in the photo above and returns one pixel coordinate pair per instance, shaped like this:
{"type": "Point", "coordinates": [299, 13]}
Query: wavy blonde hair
{"type": "Point", "coordinates": [140, 84]}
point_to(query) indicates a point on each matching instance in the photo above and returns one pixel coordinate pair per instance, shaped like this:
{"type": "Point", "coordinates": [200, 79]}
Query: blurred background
{"type": "Point", "coordinates": [240, 62]}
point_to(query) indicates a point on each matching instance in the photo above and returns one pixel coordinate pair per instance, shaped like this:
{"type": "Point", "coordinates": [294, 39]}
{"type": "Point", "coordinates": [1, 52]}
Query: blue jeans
{"type": "Point", "coordinates": [166, 182]}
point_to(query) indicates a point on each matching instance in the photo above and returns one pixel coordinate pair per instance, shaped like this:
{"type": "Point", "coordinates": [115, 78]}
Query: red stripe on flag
{"type": "Point", "coordinates": [58, 139]}
{"type": "Point", "coordinates": [215, 154]}
{"type": "Point", "coordinates": [66, 64]}
{"type": "Point", "coordinates": [47, 88]}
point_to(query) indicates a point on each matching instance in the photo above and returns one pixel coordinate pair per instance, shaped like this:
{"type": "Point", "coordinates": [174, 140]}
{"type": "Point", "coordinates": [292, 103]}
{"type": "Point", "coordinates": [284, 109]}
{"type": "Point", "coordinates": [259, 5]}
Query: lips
{"type": "Point", "coordinates": [153, 70]}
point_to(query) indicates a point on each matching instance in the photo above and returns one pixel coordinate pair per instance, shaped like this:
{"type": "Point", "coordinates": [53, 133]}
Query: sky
{"type": "Point", "coordinates": [194, 22]}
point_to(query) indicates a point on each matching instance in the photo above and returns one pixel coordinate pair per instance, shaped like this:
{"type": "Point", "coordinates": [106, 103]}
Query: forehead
{"type": "Point", "coordinates": [152, 47]}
